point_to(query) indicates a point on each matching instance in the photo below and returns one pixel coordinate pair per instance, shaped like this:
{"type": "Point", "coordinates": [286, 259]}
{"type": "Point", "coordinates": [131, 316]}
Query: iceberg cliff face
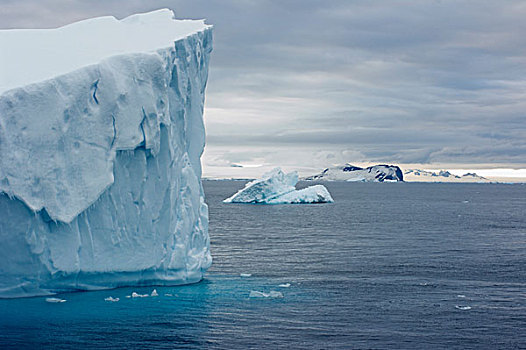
{"type": "Point", "coordinates": [276, 187]}
{"type": "Point", "coordinates": [100, 164]}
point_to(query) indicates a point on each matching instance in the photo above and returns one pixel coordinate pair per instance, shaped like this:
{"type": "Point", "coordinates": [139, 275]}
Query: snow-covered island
{"type": "Point", "coordinates": [101, 133]}
{"type": "Point", "coordinates": [348, 172]}
{"type": "Point", "coordinates": [417, 175]}
{"type": "Point", "coordinates": [276, 187]}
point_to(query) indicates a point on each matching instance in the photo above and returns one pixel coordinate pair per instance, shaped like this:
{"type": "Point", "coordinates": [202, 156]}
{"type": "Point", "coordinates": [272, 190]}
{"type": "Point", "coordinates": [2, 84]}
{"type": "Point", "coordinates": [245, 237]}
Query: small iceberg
{"type": "Point", "coordinates": [111, 299]}
{"type": "Point", "coordinates": [55, 300]}
{"type": "Point", "coordinates": [137, 295]}
{"type": "Point", "coordinates": [284, 285]}
{"type": "Point", "coordinates": [245, 275]}
{"type": "Point", "coordinates": [459, 307]}
{"type": "Point", "coordinates": [272, 294]}
{"type": "Point", "coordinates": [276, 187]}
{"type": "Point", "coordinates": [154, 293]}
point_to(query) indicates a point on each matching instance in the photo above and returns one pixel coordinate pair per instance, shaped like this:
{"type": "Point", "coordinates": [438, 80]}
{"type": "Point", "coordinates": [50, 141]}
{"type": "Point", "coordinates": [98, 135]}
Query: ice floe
{"type": "Point", "coordinates": [55, 300]}
{"type": "Point", "coordinates": [271, 294]}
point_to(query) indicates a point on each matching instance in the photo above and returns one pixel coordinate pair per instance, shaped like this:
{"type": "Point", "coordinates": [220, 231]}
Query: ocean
{"type": "Point", "coordinates": [387, 266]}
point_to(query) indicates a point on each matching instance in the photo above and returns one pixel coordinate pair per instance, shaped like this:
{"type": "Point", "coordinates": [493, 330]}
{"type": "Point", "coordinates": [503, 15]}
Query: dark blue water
{"type": "Point", "coordinates": [387, 266]}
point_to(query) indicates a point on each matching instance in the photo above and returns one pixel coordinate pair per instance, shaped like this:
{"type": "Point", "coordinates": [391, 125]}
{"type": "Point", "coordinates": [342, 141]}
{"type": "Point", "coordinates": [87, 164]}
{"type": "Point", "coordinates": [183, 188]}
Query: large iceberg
{"type": "Point", "coordinates": [101, 134]}
{"type": "Point", "coordinates": [276, 187]}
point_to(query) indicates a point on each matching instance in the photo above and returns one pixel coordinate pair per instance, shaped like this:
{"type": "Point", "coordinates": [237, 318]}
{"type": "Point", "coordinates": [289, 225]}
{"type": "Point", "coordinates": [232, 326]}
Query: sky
{"type": "Point", "coordinates": [309, 84]}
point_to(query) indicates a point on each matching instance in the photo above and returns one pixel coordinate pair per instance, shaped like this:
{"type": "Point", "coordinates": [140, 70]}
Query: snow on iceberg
{"type": "Point", "coordinates": [101, 134]}
{"type": "Point", "coordinates": [276, 187]}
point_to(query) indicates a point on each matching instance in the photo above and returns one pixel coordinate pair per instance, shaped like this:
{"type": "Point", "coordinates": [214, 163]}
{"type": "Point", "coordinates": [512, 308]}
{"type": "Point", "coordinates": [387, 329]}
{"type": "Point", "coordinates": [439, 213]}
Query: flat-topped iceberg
{"type": "Point", "coordinates": [276, 187]}
{"type": "Point", "coordinates": [101, 134]}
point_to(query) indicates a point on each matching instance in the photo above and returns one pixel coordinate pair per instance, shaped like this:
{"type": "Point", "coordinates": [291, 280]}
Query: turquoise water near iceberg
{"type": "Point", "coordinates": [386, 266]}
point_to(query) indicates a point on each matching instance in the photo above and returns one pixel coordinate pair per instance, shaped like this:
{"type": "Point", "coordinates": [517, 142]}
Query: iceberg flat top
{"type": "Point", "coordinates": [79, 94]}
{"type": "Point", "coordinates": [31, 55]}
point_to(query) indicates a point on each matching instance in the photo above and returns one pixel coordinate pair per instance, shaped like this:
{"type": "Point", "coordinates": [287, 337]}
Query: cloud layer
{"type": "Point", "coordinates": [314, 83]}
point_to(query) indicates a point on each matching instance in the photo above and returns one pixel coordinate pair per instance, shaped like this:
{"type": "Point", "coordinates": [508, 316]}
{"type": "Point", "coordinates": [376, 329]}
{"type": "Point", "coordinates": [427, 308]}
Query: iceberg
{"type": "Point", "coordinates": [101, 134]}
{"type": "Point", "coordinates": [276, 187]}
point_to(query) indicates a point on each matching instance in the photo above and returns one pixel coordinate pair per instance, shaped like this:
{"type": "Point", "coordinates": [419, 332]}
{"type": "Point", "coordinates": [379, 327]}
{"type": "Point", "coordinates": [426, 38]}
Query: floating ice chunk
{"type": "Point", "coordinates": [112, 299]}
{"type": "Point", "coordinates": [245, 274]}
{"type": "Point", "coordinates": [55, 300]}
{"type": "Point", "coordinates": [137, 295]}
{"type": "Point", "coordinates": [461, 296]}
{"type": "Point", "coordinates": [272, 294]}
{"type": "Point", "coordinates": [275, 294]}
{"type": "Point", "coordinates": [168, 295]}
{"type": "Point", "coordinates": [466, 201]}
{"type": "Point", "coordinates": [256, 294]}
{"type": "Point", "coordinates": [284, 285]}
{"type": "Point", "coordinates": [154, 293]}
{"type": "Point", "coordinates": [460, 307]}
{"type": "Point", "coordinates": [426, 284]}
{"type": "Point", "coordinates": [276, 187]}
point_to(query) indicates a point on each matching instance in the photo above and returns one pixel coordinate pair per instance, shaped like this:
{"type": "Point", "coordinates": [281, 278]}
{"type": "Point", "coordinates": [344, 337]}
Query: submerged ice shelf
{"type": "Point", "coordinates": [276, 187]}
{"type": "Point", "coordinates": [100, 174]}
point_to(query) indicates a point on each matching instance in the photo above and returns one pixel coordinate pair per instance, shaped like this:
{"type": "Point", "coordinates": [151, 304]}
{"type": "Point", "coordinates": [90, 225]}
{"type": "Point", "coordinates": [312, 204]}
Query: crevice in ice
{"type": "Point", "coordinates": [94, 88]}
{"type": "Point", "coordinates": [45, 215]}
{"type": "Point", "coordinates": [114, 131]}
{"type": "Point", "coordinates": [143, 143]}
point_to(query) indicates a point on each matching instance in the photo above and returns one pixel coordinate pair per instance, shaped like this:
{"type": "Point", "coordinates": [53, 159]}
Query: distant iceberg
{"type": "Point", "coordinates": [276, 187]}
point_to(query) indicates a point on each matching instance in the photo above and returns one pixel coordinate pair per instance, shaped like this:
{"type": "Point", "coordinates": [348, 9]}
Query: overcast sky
{"type": "Point", "coordinates": [314, 83]}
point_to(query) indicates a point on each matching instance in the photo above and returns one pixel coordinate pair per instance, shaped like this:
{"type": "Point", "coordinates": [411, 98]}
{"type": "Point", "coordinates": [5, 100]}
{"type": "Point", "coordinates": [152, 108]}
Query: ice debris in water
{"type": "Point", "coordinates": [154, 293]}
{"type": "Point", "coordinates": [460, 307]}
{"type": "Point", "coordinates": [461, 296]}
{"type": "Point", "coordinates": [272, 294]}
{"type": "Point", "coordinates": [245, 274]}
{"type": "Point", "coordinates": [112, 299]}
{"type": "Point", "coordinates": [55, 300]}
{"type": "Point", "coordinates": [168, 295]}
{"type": "Point", "coordinates": [137, 295]}
{"type": "Point", "coordinates": [276, 187]}
{"type": "Point", "coordinates": [284, 285]}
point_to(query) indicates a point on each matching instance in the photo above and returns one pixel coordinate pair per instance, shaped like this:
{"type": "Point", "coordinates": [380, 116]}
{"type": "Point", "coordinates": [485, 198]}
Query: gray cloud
{"type": "Point", "coordinates": [390, 81]}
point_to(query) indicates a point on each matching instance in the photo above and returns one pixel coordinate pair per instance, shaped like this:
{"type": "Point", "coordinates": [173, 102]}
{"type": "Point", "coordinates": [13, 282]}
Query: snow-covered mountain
{"type": "Point", "coordinates": [417, 175]}
{"type": "Point", "coordinates": [348, 172]}
{"type": "Point", "coordinates": [101, 136]}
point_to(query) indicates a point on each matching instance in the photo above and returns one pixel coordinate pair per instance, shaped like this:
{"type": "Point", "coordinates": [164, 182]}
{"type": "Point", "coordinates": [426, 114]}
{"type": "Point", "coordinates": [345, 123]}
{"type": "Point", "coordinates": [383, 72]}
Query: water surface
{"type": "Point", "coordinates": [404, 265]}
